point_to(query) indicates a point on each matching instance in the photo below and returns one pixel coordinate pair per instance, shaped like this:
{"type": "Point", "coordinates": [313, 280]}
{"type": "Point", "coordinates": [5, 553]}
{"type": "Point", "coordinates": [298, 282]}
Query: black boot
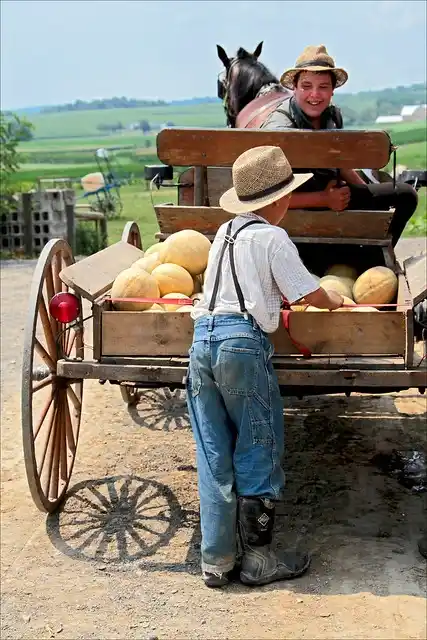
{"type": "Point", "coordinates": [260, 565]}
{"type": "Point", "coordinates": [422, 546]}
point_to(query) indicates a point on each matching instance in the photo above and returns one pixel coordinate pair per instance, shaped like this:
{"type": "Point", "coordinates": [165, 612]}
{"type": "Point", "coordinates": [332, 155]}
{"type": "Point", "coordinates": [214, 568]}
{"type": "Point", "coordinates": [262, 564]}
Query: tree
{"type": "Point", "coordinates": [12, 130]}
{"type": "Point", "coordinates": [144, 125]}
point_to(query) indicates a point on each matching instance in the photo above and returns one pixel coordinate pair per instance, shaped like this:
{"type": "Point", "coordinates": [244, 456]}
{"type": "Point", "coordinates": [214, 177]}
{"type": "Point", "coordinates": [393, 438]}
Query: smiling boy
{"type": "Point", "coordinates": [313, 80]}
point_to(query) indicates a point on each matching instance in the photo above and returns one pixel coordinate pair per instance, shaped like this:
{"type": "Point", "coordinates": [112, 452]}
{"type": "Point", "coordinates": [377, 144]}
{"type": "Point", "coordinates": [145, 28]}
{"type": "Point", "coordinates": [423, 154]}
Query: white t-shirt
{"type": "Point", "coordinates": [268, 267]}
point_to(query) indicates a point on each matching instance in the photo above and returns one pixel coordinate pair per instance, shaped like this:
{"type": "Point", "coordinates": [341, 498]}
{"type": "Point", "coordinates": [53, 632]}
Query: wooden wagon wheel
{"type": "Point", "coordinates": [131, 235]}
{"type": "Point", "coordinates": [51, 405]}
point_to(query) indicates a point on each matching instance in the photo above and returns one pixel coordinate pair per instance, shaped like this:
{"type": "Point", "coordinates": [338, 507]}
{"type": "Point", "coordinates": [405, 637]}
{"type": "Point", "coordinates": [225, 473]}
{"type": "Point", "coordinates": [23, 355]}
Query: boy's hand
{"type": "Point", "coordinates": [336, 300]}
{"type": "Point", "coordinates": [337, 198]}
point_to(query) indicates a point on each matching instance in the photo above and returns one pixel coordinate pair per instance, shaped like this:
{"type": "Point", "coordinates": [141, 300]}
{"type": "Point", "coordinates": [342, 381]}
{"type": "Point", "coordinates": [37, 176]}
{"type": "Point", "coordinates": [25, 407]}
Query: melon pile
{"type": "Point", "coordinates": [375, 286]}
{"type": "Point", "coordinates": [170, 270]}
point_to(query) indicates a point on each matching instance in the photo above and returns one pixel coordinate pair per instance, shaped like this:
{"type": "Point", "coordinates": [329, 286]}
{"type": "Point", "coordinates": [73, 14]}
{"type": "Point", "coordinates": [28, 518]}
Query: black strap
{"type": "Point", "coordinates": [229, 240]}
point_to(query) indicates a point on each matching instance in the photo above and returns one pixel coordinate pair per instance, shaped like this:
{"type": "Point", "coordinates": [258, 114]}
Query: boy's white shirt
{"type": "Point", "coordinates": [268, 267]}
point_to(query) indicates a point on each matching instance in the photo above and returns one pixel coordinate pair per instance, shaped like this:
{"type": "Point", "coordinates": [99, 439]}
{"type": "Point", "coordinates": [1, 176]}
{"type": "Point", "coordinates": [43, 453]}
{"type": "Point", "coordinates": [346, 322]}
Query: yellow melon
{"type": "Point", "coordinates": [156, 308]}
{"type": "Point", "coordinates": [299, 307]}
{"type": "Point", "coordinates": [185, 309]}
{"type": "Point", "coordinates": [334, 283]}
{"type": "Point", "coordinates": [134, 283]}
{"type": "Point", "coordinates": [311, 308]}
{"type": "Point", "coordinates": [188, 249]}
{"type": "Point", "coordinates": [176, 296]}
{"type": "Point", "coordinates": [377, 285]}
{"type": "Point", "coordinates": [364, 309]}
{"type": "Point", "coordinates": [342, 271]}
{"type": "Point", "coordinates": [346, 301]}
{"type": "Point", "coordinates": [155, 248]}
{"type": "Point", "coordinates": [173, 278]}
{"type": "Point", "coordinates": [148, 263]}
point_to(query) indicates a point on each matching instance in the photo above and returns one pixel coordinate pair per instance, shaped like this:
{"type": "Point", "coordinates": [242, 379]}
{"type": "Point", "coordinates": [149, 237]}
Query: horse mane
{"type": "Point", "coordinates": [247, 75]}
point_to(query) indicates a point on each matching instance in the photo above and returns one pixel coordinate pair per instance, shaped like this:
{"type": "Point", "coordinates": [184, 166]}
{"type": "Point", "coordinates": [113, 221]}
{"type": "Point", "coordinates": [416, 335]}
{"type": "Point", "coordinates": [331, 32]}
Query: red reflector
{"type": "Point", "coordinates": [64, 307]}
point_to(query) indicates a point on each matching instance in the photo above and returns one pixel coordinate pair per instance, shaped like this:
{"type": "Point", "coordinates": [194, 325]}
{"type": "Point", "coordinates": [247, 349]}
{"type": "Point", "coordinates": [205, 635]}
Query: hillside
{"type": "Point", "coordinates": [359, 109]}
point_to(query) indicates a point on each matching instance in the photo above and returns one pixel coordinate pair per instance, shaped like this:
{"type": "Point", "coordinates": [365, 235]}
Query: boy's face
{"type": "Point", "coordinates": [313, 92]}
{"type": "Point", "coordinates": [279, 209]}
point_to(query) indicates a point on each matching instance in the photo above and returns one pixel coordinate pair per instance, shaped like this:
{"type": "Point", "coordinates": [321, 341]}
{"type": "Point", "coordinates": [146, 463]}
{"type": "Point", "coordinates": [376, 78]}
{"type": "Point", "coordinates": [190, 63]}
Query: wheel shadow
{"type": "Point", "coordinates": [119, 520]}
{"type": "Point", "coordinates": [161, 410]}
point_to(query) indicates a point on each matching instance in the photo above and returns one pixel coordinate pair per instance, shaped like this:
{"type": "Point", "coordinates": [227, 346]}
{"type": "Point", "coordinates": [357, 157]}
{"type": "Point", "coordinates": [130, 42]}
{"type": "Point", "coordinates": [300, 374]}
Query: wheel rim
{"type": "Point", "coordinates": [131, 235]}
{"type": "Point", "coordinates": [51, 405]}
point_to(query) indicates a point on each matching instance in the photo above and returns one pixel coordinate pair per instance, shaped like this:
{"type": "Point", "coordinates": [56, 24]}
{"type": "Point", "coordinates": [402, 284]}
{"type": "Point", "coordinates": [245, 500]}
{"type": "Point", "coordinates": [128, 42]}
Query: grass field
{"type": "Point", "coordinates": [84, 123]}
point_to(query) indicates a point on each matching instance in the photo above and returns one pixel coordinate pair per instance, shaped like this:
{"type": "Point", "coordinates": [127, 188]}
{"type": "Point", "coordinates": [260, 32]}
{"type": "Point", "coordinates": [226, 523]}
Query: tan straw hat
{"type": "Point", "coordinates": [261, 176]}
{"type": "Point", "coordinates": [314, 58]}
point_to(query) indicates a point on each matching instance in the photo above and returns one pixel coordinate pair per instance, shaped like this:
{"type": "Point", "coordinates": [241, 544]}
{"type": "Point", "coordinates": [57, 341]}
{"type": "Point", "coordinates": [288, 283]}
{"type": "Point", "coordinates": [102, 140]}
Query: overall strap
{"type": "Point", "coordinates": [229, 240]}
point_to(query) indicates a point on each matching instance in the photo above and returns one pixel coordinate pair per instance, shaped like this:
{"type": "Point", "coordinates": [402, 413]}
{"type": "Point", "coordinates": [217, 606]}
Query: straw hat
{"type": "Point", "coordinates": [314, 58]}
{"type": "Point", "coordinates": [261, 176]}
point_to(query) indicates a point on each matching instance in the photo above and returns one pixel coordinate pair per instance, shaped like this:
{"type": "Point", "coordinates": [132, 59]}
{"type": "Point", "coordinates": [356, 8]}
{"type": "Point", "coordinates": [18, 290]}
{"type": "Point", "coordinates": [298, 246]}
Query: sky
{"type": "Point", "coordinates": [57, 51]}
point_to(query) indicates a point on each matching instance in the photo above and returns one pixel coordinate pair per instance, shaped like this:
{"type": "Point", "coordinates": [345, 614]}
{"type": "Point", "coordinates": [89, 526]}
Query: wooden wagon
{"type": "Point", "coordinates": [351, 352]}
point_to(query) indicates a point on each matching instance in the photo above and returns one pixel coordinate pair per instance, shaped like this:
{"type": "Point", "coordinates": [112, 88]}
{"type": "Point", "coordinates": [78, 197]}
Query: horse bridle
{"type": "Point", "coordinates": [222, 91]}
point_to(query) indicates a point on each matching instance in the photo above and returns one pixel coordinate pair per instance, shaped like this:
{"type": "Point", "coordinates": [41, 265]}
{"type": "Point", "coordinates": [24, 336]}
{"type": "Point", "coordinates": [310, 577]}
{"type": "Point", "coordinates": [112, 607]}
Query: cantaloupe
{"type": "Point", "coordinates": [155, 248]}
{"type": "Point", "coordinates": [156, 308]}
{"type": "Point", "coordinates": [134, 283]}
{"type": "Point", "coordinates": [377, 285]}
{"type": "Point", "coordinates": [148, 263]}
{"type": "Point", "coordinates": [173, 278]}
{"type": "Point", "coordinates": [176, 296]}
{"type": "Point", "coordinates": [364, 309]}
{"type": "Point", "coordinates": [346, 301]}
{"type": "Point", "coordinates": [185, 309]}
{"type": "Point", "coordinates": [299, 307]}
{"type": "Point", "coordinates": [311, 308]}
{"type": "Point", "coordinates": [189, 249]}
{"type": "Point", "coordinates": [342, 271]}
{"type": "Point", "coordinates": [334, 283]}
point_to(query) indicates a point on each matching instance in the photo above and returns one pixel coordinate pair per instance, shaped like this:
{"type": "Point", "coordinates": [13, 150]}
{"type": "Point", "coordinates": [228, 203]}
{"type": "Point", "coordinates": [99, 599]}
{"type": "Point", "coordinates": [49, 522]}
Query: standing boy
{"type": "Point", "coordinates": [233, 395]}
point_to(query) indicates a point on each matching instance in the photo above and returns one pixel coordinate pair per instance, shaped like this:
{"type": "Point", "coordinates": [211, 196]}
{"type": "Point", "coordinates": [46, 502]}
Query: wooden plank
{"type": "Point", "coordinates": [298, 223]}
{"type": "Point", "coordinates": [186, 187]}
{"type": "Point", "coordinates": [416, 275]}
{"type": "Point", "coordinates": [317, 149]}
{"type": "Point", "coordinates": [280, 362]}
{"type": "Point", "coordinates": [95, 274]}
{"type": "Point", "coordinates": [308, 240]}
{"type": "Point", "coordinates": [404, 299]}
{"type": "Point", "coordinates": [308, 378]}
{"type": "Point", "coordinates": [129, 333]}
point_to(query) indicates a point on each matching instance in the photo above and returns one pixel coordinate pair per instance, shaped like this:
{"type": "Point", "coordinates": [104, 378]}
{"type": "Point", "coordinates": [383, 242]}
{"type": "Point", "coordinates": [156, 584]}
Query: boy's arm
{"type": "Point", "coordinates": [296, 282]}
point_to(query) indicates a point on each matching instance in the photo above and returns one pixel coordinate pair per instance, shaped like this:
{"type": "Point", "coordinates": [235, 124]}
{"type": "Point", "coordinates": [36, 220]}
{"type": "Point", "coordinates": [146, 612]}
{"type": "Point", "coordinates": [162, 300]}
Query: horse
{"type": "Point", "coordinates": [244, 80]}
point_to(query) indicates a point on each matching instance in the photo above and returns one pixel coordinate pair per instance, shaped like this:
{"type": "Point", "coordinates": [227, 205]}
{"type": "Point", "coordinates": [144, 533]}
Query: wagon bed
{"type": "Point", "coordinates": [351, 352]}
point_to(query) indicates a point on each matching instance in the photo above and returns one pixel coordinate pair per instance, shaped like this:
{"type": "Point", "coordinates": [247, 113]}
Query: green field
{"type": "Point", "coordinates": [84, 123]}
{"type": "Point", "coordinates": [65, 143]}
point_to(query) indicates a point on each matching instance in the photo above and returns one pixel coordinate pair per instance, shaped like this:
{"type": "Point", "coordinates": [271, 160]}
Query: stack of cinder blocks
{"type": "Point", "coordinates": [36, 218]}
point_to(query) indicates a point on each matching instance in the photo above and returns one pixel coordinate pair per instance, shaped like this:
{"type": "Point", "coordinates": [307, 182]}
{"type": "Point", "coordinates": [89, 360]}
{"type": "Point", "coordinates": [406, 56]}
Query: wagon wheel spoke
{"type": "Point", "coordinates": [51, 405]}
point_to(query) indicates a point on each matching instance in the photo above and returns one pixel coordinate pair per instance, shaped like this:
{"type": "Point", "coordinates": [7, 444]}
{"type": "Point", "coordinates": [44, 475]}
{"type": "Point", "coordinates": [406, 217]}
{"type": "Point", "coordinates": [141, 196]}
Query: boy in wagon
{"type": "Point", "coordinates": [233, 395]}
{"type": "Point", "coordinates": [313, 81]}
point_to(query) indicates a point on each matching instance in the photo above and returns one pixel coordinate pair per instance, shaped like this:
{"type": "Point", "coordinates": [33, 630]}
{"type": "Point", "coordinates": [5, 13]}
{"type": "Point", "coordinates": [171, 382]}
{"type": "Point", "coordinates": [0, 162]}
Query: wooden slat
{"type": "Point", "coordinates": [316, 149]}
{"type": "Point", "coordinates": [316, 379]}
{"type": "Point", "coordinates": [404, 299]}
{"type": "Point", "coordinates": [95, 274]}
{"type": "Point", "coordinates": [416, 275]}
{"type": "Point", "coordinates": [129, 333]}
{"type": "Point", "coordinates": [320, 224]}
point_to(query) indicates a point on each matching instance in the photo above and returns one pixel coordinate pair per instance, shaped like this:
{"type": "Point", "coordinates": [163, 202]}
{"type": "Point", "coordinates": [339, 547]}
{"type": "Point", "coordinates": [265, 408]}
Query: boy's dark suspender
{"type": "Point", "coordinates": [229, 239]}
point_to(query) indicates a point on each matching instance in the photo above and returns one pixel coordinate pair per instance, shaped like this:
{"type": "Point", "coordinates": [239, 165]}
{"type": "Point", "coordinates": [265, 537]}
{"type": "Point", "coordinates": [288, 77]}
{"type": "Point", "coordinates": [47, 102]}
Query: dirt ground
{"type": "Point", "coordinates": [120, 560]}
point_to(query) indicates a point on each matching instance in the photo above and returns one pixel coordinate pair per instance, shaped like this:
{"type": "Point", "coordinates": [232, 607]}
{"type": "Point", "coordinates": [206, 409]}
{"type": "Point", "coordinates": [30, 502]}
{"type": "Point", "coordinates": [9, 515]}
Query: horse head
{"type": "Point", "coordinates": [240, 81]}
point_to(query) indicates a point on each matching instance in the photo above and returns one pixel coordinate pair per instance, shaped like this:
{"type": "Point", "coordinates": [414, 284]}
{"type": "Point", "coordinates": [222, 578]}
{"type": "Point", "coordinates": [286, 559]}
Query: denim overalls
{"type": "Point", "coordinates": [236, 414]}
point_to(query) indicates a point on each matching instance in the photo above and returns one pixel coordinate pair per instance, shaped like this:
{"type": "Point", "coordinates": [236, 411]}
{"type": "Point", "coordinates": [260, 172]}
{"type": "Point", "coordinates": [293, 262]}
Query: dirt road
{"type": "Point", "coordinates": [121, 559]}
